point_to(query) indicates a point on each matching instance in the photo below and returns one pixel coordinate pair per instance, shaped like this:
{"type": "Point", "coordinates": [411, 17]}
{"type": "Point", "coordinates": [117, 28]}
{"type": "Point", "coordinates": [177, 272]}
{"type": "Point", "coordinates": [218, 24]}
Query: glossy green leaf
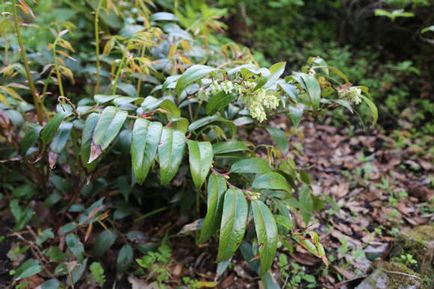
{"type": "Point", "coordinates": [310, 83]}
{"type": "Point", "coordinates": [50, 129]}
{"type": "Point", "coordinates": [171, 108]}
{"type": "Point", "coordinates": [145, 140]}
{"type": "Point", "coordinates": [86, 138]}
{"type": "Point", "coordinates": [229, 147]}
{"type": "Point", "coordinates": [372, 107]}
{"type": "Point", "coordinates": [109, 124]}
{"type": "Point", "coordinates": [276, 71]}
{"type": "Point", "coordinates": [163, 16]}
{"type": "Point", "coordinates": [233, 223]}
{"type": "Point", "coordinates": [296, 113]}
{"type": "Point", "coordinates": [29, 268]}
{"type": "Point", "coordinates": [218, 102]}
{"type": "Point", "coordinates": [271, 181]}
{"type": "Point", "coordinates": [200, 157]}
{"type": "Point", "coordinates": [266, 233]}
{"type": "Point", "coordinates": [280, 138]}
{"type": "Point", "coordinates": [191, 75]}
{"type": "Point", "coordinates": [75, 246]}
{"type": "Point", "coordinates": [101, 98]}
{"type": "Point", "coordinates": [30, 138]}
{"type": "Point", "coordinates": [269, 282]}
{"type": "Point", "coordinates": [170, 153]}
{"type": "Point", "coordinates": [125, 258]}
{"type": "Point", "coordinates": [251, 166]}
{"type": "Point", "coordinates": [216, 189]}
{"type": "Point", "coordinates": [103, 242]}
{"type": "Point", "coordinates": [50, 284]}
{"type": "Point", "coordinates": [61, 137]}
{"type": "Point", "coordinates": [202, 122]}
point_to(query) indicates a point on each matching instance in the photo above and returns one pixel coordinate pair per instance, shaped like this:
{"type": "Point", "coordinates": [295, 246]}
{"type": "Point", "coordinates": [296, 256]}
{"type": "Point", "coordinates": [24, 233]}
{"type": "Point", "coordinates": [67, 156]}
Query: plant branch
{"type": "Point", "coordinates": [36, 100]}
{"type": "Point", "coordinates": [96, 24]}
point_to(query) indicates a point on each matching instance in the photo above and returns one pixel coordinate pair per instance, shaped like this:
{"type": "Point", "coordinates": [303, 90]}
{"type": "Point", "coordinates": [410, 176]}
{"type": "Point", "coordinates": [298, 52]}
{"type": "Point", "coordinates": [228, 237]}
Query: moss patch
{"type": "Point", "coordinates": [400, 276]}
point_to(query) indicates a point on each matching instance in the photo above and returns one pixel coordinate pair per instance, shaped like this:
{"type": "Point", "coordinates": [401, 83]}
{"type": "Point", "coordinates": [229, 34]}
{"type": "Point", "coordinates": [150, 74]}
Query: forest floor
{"type": "Point", "coordinates": [375, 186]}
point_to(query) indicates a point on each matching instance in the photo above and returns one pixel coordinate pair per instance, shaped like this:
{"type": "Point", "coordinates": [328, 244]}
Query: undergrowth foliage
{"type": "Point", "coordinates": [152, 114]}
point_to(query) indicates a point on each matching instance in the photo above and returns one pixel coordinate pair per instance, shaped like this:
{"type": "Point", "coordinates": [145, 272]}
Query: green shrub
{"type": "Point", "coordinates": [154, 116]}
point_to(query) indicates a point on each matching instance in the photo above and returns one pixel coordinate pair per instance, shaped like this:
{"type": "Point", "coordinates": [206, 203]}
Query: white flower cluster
{"type": "Point", "coordinates": [258, 101]}
{"type": "Point", "coordinates": [351, 93]}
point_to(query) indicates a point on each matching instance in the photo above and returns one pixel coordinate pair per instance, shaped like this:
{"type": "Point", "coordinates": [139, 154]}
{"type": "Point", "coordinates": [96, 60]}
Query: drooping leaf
{"type": "Point", "coordinates": [251, 166]}
{"type": "Point", "coordinates": [233, 223]}
{"type": "Point", "coordinates": [216, 189]}
{"type": "Point", "coordinates": [86, 138]}
{"type": "Point", "coordinates": [30, 138]}
{"type": "Point", "coordinates": [170, 153]}
{"type": "Point", "coordinates": [271, 181]}
{"type": "Point", "coordinates": [50, 129]}
{"type": "Point", "coordinates": [145, 140]}
{"type": "Point", "coordinates": [200, 157]}
{"type": "Point", "coordinates": [372, 107]}
{"type": "Point", "coordinates": [61, 137]}
{"type": "Point", "coordinates": [192, 74]}
{"type": "Point", "coordinates": [109, 124]}
{"type": "Point", "coordinates": [296, 113]}
{"type": "Point", "coordinates": [280, 138]}
{"type": "Point", "coordinates": [266, 232]}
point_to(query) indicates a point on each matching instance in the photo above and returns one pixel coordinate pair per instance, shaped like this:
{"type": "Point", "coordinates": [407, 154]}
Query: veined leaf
{"type": "Point", "coordinates": [145, 140]}
{"type": "Point", "coordinates": [271, 181]}
{"type": "Point", "coordinates": [200, 157]}
{"type": "Point", "coordinates": [192, 74]}
{"type": "Point", "coordinates": [106, 130]}
{"type": "Point", "coordinates": [233, 223]}
{"type": "Point", "coordinates": [251, 166]}
{"type": "Point", "coordinates": [170, 153]}
{"type": "Point", "coordinates": [266, 232]}
{"type": "Point", "coordinates": [216, 189]}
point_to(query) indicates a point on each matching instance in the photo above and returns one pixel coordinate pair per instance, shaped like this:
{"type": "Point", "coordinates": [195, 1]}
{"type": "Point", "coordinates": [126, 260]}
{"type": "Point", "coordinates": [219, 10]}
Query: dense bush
{"type": "Point", "coordinates": [109, 118]}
